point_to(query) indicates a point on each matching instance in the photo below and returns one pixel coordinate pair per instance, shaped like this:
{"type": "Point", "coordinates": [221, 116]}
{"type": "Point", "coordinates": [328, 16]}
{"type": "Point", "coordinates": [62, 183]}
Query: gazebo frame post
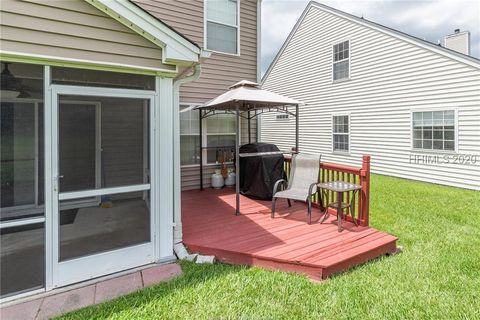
{"type": "Point", "coordinates": [249, 131]}
{"type": "Point", "coordinates": [296, 128]}
{"type": "Point", "coordinates": [237, 163]}
{"type": "Point", "coordinates": [201, 149]}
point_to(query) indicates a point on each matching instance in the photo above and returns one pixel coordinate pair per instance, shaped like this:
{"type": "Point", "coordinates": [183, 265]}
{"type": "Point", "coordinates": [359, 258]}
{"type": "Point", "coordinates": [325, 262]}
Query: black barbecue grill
{"type": "Point", "coordinates": [261, 165]}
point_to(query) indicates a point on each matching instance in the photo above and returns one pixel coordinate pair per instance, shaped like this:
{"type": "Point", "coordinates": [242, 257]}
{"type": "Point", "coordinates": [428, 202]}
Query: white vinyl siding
{"type": "Point", "coordinates": [222, 29]}
{"type": "Point", "coordinates": [341, 61]}
{"type": "Point", "coordinates": [341, 133]}
{"type": "Point", "coordinates": [393, 78]}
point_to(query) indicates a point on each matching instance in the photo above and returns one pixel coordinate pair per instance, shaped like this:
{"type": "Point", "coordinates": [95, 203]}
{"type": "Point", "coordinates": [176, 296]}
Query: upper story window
{"type": "Point", "coordinates": [341, 61]}
{"type": "Point", "coordinates": [341, 133]}
{"type": "Point", "coordinates": [434, 130]}
{"type": "Point", "coordinates": [222, 26]}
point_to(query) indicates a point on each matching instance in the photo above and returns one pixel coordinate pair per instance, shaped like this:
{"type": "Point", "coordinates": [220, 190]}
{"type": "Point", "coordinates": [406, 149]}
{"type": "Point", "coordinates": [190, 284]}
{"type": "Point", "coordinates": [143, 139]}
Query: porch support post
{"type": "Point", "coordinates": [167, 140]}
{"type": "Point", "coordinates": [237, 163]}
{"type": "Point", "coordinates": [48, 182]}
{"type": "Point", "coordinates": [296, 128]}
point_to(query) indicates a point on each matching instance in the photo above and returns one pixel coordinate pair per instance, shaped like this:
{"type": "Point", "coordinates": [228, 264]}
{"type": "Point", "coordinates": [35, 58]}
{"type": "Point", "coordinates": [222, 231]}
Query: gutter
{"type": "Point", "coordinates": [177, 206]}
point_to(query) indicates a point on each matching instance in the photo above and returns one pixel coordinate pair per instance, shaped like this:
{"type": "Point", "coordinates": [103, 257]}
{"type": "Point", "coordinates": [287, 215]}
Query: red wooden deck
{"type": "Point", "coordinates": [285, 243]}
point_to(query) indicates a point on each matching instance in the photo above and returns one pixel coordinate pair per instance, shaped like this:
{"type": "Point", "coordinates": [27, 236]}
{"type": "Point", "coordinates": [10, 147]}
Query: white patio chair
{"type": "Point", "coordinates": [302, 183]}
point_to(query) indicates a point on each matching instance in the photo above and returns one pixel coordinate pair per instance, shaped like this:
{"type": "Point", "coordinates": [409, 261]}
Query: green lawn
{"type": "Point", "coordinates": [436, 277]}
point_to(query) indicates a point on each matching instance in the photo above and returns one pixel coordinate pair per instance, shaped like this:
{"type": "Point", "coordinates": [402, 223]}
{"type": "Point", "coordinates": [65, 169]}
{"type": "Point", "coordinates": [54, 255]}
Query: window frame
{"type": "Point", "coordinates": [341, 152]}
{"type": "Point", "coordinates": [205, 20]}
{"type": "Point", "coordinates": [204, 136]}
{"type": "Point", "coordinates": [455, 130]}
{"type": "Point", "coordinates": [188, 105]}
{"type": "Point", "coordinates": [349, 59]}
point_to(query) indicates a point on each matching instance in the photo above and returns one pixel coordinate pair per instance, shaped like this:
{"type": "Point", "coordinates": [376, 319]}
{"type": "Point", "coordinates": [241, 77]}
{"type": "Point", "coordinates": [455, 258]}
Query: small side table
{"type": "Point", "coordinates": [340, 187]}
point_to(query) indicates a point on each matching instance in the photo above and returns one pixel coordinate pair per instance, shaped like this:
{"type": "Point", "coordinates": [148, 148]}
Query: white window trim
{"type": "Point", "coordinates": [226, 24]}
{"type": "Point", "coordinates": [332, 55]}
{"type": "Point", "coordinates": [341, 152]}
{"type": "Point", "coordinates": [204, 140]}
{"type": "Point", "coordinates": [430, 151]}
{"type": "Point", "coordinates": [188, 105]}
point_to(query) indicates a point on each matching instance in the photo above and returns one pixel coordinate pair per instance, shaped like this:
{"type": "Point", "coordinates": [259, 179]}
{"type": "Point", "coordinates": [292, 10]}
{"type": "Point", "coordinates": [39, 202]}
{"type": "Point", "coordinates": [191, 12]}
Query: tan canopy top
{"type": "Point", "coordinates": [247, 95]}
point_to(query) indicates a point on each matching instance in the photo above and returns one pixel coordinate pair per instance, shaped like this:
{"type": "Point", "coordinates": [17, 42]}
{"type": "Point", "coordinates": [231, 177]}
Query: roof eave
{"type": "Point", "coordinates": [471, 61]}
{"type": "Point", "coordinates": [401, 35]}
{"type": "Point", "coordinates": [176, 49]}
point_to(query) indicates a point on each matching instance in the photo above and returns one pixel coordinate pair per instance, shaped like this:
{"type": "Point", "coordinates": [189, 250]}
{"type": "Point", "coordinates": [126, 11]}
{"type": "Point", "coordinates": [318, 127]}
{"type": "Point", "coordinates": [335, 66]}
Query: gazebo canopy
{"type": "Point", "coordinates": [247, 95]}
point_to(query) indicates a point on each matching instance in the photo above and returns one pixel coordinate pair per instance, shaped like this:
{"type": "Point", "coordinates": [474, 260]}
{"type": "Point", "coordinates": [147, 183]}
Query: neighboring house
{"type": "Point", "coordinates": [92, 139]}
{"type": "Point", "coordinates": [412, 105]}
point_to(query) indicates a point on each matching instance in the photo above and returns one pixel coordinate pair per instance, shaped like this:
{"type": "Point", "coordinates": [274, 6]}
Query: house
{"type": "Point", "coordinates": [96, 132]}
{"type": "Point", "coordinates": [412, 105]}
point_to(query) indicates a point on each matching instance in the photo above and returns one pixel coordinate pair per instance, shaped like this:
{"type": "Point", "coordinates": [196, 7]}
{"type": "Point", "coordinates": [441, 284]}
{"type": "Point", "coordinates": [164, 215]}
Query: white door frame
{"type": "Point", "coordinates": [80, 269]}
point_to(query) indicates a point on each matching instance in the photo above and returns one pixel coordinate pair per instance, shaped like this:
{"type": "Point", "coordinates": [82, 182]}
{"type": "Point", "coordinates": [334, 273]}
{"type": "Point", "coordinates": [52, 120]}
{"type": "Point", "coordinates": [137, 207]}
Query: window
{"type": "Point", "coordinates": [341, 61]}
{"type": "Point", "coordinates": [189, 136]}
{"type": "Point", "coordinates": [222, 25]}
{"type": "Point", "coordinates": [218, 136]}
{"type": "Point", "coordinates": [341, 138]}
{"type": "Point", "coordinates": [434, 130]}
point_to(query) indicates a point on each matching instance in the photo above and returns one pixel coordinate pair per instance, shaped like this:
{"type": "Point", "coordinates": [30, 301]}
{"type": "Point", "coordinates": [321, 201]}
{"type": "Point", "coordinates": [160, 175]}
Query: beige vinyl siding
{"type": "Point", "coordinates": [191, 177]}
{"type": "Point", "coordinates": [73, 30]}
{"type": "Point", "coordinates": [219, 71]}
{"type": "Point", "coordinates": [390, 78]}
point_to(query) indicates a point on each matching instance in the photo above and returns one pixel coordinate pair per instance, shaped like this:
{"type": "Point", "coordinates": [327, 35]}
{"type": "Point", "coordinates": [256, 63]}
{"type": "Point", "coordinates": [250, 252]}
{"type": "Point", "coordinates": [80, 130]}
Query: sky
{"type": "Point", "coordinates": [431, 19]}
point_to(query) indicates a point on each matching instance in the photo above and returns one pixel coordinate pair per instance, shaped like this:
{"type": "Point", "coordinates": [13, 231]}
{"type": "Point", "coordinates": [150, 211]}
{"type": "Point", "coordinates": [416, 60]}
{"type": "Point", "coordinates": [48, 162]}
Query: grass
{"type": "Point", "coordinates": [436, 277]}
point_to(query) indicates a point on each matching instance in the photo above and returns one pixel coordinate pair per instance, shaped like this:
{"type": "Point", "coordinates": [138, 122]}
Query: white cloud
{"type": "Point", "coordinates": [431, 19]}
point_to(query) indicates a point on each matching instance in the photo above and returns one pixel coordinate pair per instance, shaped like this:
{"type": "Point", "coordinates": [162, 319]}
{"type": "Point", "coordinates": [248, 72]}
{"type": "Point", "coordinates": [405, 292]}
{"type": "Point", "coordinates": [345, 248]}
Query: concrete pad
{"type": "Point", "coordinates": [161, 273]}
{"type": "Point", "coordinates": [67, 301]}
{"type": "Point", "coordinates": [22, 311]}
{"type": "Point", "coordinates": [116, 287]}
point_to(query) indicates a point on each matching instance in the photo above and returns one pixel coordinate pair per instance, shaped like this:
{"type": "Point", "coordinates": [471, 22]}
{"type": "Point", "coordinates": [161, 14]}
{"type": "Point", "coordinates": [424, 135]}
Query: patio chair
{"type": "Point", "coordinates": [302, 183]}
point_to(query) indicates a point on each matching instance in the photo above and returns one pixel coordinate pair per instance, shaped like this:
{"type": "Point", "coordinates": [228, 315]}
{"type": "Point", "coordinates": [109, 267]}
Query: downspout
{"type": "Point", "coordinates": [177, 205]}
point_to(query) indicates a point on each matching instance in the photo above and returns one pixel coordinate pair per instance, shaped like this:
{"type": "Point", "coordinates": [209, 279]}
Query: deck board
{"type": "Point", "coordinates": [286, 242]}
